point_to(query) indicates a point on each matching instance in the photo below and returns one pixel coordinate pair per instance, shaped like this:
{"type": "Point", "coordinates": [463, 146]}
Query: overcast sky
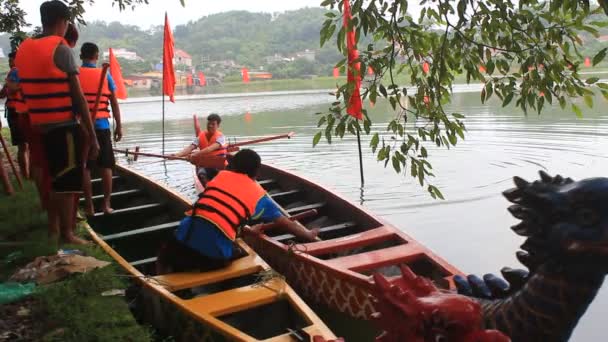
{"type": "Point", "coordinates": [153, 14]}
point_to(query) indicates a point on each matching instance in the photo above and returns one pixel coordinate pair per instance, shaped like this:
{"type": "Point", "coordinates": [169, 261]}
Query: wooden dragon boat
{"type": "Point", "coordinates": [242, 302]}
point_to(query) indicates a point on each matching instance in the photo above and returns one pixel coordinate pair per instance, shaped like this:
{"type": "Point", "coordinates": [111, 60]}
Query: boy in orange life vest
{"type": "Point", "coordinates": [89, 80]}
{"type": "Point", "coordinates": [48, 77]}
{"type": "Point", "coordinates": [15, 123]}
{"type": "Point", "coordinates": [206, 237]}
{"type": "Point", "coordinates": [211, 141]}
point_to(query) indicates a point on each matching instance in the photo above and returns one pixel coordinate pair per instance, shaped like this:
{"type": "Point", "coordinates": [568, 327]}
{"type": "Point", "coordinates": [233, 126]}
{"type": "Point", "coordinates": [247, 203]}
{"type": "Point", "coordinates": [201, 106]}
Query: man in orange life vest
{"type": "Point", "coordinates": [15, 120]}
{"type": "Point", "coordinates": [211, 142]}
{"type": "Point", "coordinates": [90, 76]}
{"type": "Point", "coordinates": [48, 77]}
{"type": "Point", "coordinates": [206, 237]}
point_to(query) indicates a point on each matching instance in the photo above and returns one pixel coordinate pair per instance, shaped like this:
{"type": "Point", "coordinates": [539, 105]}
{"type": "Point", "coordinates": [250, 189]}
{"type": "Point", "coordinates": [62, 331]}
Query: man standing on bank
{"type": "Point", "coordinates": [48, 76]}
{"type": "Point", "coordinates": [90, 76]}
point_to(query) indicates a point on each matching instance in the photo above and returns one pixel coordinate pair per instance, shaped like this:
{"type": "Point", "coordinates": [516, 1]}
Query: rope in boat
{"type": "Point", "coordinates": [263, 277]}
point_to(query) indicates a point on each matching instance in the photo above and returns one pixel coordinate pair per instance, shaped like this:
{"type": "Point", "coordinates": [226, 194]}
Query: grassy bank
{"type": "Point", "coordinates": [69, 310]}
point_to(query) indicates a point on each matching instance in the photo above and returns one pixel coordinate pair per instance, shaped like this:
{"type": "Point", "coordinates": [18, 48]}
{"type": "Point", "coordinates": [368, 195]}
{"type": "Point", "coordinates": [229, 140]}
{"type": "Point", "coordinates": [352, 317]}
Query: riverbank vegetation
{"type": "Point", "coordinates": [69, 310]}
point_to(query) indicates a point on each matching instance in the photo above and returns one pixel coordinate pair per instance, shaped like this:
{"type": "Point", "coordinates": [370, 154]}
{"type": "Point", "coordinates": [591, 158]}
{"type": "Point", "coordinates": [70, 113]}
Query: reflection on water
{"type": "Point", "coordinates": [470, 228]}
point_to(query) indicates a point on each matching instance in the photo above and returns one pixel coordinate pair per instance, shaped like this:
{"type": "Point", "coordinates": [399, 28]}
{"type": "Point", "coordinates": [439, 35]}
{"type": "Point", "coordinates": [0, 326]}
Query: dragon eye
{"type": "Point", "coordinates": [586, 217]}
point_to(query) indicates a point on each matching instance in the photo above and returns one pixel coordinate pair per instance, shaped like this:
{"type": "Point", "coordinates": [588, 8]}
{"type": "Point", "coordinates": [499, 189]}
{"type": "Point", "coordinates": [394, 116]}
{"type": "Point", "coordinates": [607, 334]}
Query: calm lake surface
{"type": "Point", "coordinates": [470, 228]}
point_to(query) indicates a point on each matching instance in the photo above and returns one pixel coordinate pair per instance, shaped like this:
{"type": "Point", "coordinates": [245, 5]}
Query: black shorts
{"type": "Point", "coordinates": [17, 134]}
{"type": "Point", "coordinates": [63, 148]}
{"type": "Point", "coordinates": [105, 159]}
{"type": "Point", "coordinates": [180, 258]}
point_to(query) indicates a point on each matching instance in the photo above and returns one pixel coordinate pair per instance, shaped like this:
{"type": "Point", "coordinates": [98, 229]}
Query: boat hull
{"type": "Point", "coordinates": [221, 303]}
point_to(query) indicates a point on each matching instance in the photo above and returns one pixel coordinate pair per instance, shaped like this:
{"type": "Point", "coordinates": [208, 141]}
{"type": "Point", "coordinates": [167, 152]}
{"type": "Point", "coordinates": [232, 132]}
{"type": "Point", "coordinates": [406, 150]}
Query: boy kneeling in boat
{"type": "Point", "coordinates": [206, 237]}
{"type": "Point", "coordinates": [211, 142]}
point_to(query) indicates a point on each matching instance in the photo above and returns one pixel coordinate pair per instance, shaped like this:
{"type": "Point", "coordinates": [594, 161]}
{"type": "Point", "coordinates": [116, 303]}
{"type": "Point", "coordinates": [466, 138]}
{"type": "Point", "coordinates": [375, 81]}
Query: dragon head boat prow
{"type": "Point", "coordinates": [412, 308]}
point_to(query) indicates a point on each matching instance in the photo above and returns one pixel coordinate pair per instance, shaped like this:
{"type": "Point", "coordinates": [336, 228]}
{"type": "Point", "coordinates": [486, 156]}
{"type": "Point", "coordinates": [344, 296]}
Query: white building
{"type": "Point", "coordinates": [121, 53]}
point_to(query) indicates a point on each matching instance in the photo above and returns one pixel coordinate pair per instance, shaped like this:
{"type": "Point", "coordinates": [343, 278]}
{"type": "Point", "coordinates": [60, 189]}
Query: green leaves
{"type": "Point", "coordinates": [316, 138]}
{"type": "Point", "coordinates": [599, 56]}
{"type": "Point", "coordinates": [525, 53]}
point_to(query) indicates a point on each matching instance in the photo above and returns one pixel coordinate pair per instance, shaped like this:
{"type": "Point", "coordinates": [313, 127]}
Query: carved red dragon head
{"type": "Point", "coordinates": [411, 308]}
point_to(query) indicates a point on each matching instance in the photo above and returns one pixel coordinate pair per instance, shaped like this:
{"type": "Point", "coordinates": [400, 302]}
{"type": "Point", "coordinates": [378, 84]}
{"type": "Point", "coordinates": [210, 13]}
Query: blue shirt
{"type": "Point", "coordinates": [104, 123]}
{"type": "Point", "coordinates": [13, 76]}
{"type": "Point", "coordinates": [208, 240]}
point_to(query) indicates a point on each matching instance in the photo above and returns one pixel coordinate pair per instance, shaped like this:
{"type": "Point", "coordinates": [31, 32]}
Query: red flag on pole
{"type": "Point", "coordinates": [354, 67]}
{"type": "Point", "coordinates": [336, 72]}
{"type": "Point", "coordinates": [587, 62]}
{"type": "Point", "coordinates": [189, 80]}
{"type": "Point", "coordinates": [201, 79]}
{"type": "Point", "coordinates": [245, 75]}
{"type": "Point", "coordinates": [168, 71]}
{"type": "Point", "coordinates": [121, 90]}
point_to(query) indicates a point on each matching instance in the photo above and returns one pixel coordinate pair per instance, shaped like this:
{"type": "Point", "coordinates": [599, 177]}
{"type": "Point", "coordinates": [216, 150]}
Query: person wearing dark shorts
{"type": "Point", "coordinates": [51, 106]}
{"type": "Point", "coordinates": [14, 118]}
{"type": "Point", "coordinates": [89, 80]}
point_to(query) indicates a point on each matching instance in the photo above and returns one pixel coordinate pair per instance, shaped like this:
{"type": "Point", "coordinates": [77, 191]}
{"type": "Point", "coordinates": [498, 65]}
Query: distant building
{"type": "Point", "coordinates": [277, 59]}
{"type": "Point", "coordinates": [139, 81]}
{"type": "Point", "coordinates": [181, 57]}
{"type": "Point", "coordinates": [308, 55]}
{"type": "Point", "coordinates": [122, 53]}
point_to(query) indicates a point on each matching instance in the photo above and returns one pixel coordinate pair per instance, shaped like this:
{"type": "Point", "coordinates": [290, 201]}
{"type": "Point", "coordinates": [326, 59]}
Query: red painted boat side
{"type": "Point", "coordinates": [344, 283]}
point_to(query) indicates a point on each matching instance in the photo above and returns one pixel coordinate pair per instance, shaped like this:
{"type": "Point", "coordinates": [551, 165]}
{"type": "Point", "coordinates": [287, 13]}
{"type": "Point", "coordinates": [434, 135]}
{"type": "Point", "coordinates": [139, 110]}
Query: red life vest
{"type": "Point", "coordinates": [89, 81]}
{"type": "Point", "coordinates": [45, 87]}
{"type": "Point", "coordinates": [229, 201]}
{"type": "Point", "coordinates": [203, 143]}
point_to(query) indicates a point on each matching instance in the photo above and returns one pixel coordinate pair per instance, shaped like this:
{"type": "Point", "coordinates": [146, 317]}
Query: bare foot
{"type": "Point", "coordinates": [108, 210]}
{"type": "Point", "coordinates": [74, 240]}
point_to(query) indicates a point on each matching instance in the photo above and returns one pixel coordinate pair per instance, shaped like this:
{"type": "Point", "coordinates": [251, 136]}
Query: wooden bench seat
{"type": "Point", "coordinates": [365, 238]}
{"type": "Point", "coordinates": [164, 226]}
{"type": "Point", "coordinates": [379, 258]}
{"type": "Point", "coordinates": [234, 300]}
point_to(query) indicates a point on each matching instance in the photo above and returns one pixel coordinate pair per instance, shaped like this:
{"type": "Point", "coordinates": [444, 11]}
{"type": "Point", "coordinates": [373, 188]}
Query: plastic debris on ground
{"type": "Point", "coordinates": [10, 292]}
{"type": "Point", "coordinates": [48, 269]}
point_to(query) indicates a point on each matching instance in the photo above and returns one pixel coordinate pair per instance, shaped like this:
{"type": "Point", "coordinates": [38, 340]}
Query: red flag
{"type": "Point", "coordinates": [587, 62]}
{"type": "Point", "coordinates": [245, 75]}
{"type": "Point", "coordinates": [426, 67]}
{"type": "Point", "coordinates": [355, 106]}
{"type": "Point", "coordinates": [189, 80]}
{"type": "Point", "coordinates": [121, 90]}
{"type": "Point", "coordinates": [370, 70]}
{"type": "Point", "coordinates": [168, 71]}
{"type": "Point", "coordinates": [201, 79]}
{"type": "Point", "coordinates": [336, 72]}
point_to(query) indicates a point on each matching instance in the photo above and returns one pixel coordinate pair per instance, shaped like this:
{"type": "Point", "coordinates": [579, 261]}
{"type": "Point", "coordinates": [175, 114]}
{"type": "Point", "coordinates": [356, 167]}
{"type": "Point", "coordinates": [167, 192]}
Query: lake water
{"type": "Point", "coordinates": [470, 228]}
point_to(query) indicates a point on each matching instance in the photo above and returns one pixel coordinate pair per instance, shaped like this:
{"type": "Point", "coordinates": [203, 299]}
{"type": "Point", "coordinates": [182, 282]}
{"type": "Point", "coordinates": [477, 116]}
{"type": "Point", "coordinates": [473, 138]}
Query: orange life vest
{"type": "Point", "coordinates": [89, 81]}
{"type": "Point", "coordinates": [45, 87]}
{"type": "Point", "coordinates": [229, 201]}
{"type": "Point", "coordinates": [203, 142]}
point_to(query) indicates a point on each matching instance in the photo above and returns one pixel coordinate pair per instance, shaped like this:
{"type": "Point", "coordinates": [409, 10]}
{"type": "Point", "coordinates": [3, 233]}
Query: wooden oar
{"type": "Point", "coordinates": [104, 72]}
{"type": "Point", "coordinates": [209, 161]}
{"type": "Point", "coordinates": [10, 160]}
{"type": "Point", "coordinates": [234, 147]}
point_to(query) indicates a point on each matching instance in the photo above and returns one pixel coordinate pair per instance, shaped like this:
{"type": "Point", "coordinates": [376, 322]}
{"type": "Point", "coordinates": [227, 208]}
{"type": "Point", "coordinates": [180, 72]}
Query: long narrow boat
{"type": "Point", "coordinates": [336, 272]}
{"type": "Point", "coordinates": [242, 302]}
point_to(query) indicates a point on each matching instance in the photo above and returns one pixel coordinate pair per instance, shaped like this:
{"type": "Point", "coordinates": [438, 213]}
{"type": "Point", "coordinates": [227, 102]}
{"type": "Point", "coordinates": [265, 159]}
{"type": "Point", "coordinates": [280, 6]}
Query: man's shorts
{"type": "Point", "coordinates": [105, 159]}
{"type": "Point", "coordinates": [62, 147]}
{"type": "Point", "coordinates": [17, 134]}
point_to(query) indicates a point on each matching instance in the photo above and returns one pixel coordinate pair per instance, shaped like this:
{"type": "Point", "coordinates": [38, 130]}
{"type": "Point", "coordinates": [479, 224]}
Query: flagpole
{"type": "Point", "coordinates": [360, 156]}
{"type": "Point", "coordinates": [162, 86]}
